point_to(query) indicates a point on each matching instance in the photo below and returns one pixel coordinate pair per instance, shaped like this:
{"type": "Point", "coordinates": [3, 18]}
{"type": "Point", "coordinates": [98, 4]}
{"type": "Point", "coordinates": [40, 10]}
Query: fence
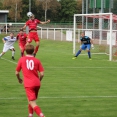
{"type": "Point", "coordinates": [44, 31]}
{"type": "Point", "coordinates": [61, 34]}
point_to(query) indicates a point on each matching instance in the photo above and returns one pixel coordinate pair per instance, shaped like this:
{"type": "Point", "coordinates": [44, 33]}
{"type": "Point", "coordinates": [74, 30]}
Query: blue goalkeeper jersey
{"type": "Point", "coordinates": [85, 40]}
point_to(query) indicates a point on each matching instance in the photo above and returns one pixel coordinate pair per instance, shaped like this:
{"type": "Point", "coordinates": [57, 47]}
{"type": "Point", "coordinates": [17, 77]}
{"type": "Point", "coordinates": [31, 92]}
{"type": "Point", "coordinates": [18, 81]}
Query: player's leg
{"type": "Point", "coordinates": [30, 110]}
{"type": "Point", "coordinates": [29, 40]}
{"type": "Point", "coordinates": [32, 94]}
{"type": "Point", "coordinates": [36, 108]}
{"type": "Point", "coordinates": [13, 52]}
{"type": "Point", "coordinates": [36, 48]}
{"type": "Point", "coordinates": [37, 41]}
{"type": "Point", "coordinates": [5, 49]}
{"type": "Point", "coordinates": [2, 54]}
{"type": "Point", "coordinates": [22, 48]}
{"type": "Point", "coordinates": [79, 51]}
{"type": "Point", "coordinates": [88, 50]}
{"type": "Point", "coordinates": [89, 54]}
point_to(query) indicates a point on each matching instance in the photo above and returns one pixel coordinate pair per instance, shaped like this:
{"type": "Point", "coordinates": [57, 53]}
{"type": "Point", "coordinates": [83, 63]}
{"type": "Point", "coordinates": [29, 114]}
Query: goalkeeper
{"type": "Point", "coordinates": [86, 44]}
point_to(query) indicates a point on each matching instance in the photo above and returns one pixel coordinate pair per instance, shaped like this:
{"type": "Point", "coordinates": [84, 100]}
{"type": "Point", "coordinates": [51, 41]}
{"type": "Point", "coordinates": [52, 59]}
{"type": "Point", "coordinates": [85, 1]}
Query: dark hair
{"type": "Point", "coordinates": [11, 33]}
{"type": "Point", "coordinates": [21, 29]}
{"type": "Point", "coordinates": [29, 49]}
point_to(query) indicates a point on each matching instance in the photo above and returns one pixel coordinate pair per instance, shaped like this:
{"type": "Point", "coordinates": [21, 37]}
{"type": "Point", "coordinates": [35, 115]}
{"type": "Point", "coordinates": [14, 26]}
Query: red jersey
{"type": "Point", "coordinates": [33, 24]}
{"type": "Point", "coordinates": [30, 67]}
{"type": "Point", "coordinates": [22, 38]}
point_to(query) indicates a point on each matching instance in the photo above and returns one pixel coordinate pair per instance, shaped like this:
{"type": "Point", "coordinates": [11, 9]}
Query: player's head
{"type": "Point", "coordinates": [11, 34]}
{"type": "Point", "coordinates": [21, 30]}
{"type": "Point", "coordinates": [29, 49]}
{"type": "Point", "coordinates": [32, 17]}
{"type": "Point", "coordinates": [82, 34]}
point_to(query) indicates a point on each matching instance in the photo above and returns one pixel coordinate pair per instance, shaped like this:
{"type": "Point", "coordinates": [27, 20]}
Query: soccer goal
{"type": "Point", "coordinates": [101, 27]}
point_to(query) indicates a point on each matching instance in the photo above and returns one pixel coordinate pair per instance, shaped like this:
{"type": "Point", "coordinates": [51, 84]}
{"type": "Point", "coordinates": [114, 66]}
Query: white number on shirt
{"type": "Point", "coordinates": [30, 64]}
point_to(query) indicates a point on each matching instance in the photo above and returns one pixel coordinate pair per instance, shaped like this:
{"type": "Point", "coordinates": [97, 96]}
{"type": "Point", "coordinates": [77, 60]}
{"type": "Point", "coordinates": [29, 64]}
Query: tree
{"type": "Point", "coordinates": [79, 6]}
{"type": "Point", "coordinates": [48, 9]}
{"type": "Point", "coordinates": [114, 10]}
{"type": "Point", "coordinates": [1, 4]}
{"type": "Point", "coordinates": [25, 7]}
{"type": "Point", "coordinates": [54, 10]}
{"type": "Point", "coordinates": [68, 9]}
{"type": "Point", "coordinates": [14, 10]}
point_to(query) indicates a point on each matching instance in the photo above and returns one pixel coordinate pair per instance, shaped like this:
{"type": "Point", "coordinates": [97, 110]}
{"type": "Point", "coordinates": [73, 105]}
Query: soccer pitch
{"type": "Point", "coordinates": [70, 88]}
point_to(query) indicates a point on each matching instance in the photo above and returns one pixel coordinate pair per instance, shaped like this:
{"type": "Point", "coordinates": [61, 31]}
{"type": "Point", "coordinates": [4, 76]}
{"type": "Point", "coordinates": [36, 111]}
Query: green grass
{"type": "Point", "coordinates": [70, 88]}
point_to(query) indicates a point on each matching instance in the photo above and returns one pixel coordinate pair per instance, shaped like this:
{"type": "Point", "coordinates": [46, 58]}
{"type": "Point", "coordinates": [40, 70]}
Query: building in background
{"type": "Point", "coordinates": [3, 16]}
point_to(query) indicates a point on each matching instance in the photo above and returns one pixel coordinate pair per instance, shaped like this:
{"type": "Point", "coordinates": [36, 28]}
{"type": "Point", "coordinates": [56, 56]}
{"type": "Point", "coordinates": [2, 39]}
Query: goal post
{"type": "Point", "coordinates": [100, 27]}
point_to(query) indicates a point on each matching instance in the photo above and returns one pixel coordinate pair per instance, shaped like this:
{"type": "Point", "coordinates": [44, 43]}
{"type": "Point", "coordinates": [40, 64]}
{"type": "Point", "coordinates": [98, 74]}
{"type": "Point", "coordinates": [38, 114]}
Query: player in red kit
{"type": "Point", "coordinates": [22, 37]}
{"type": "Point", "coordinates": [33, 35]}
{"type": "Point", "coordinates": [30, 67]}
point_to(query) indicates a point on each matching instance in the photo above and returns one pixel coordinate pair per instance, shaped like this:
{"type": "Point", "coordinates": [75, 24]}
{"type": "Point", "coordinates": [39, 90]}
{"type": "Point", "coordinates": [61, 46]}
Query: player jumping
{"type": "Point", "coordinates": [32, 24]}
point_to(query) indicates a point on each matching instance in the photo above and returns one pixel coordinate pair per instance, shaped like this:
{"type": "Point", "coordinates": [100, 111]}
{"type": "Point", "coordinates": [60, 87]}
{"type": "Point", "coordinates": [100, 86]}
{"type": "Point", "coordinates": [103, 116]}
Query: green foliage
{"type": "Point", "coordinates": [25, 8]}
{"type": "Point", "coordinates": [1, 5]}
{"type": "Point", "coordinates": [57, 10]}
{"type": "Point", "coordinates": [68, 9]}
{"type": "Point", "coordinates": [114, 10]}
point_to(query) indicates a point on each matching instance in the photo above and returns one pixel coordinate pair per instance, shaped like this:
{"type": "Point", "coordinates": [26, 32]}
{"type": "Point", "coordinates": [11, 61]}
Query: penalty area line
{"type": "Point", "coordinates": [64, 97]}
{"type": "Point", "coordinates": [8, 60]}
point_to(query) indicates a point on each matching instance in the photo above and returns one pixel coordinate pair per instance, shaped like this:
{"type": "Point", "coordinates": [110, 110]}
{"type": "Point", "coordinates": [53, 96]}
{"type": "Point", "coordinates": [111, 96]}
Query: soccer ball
{"type": "Point", "coordinates": [29, 14]}
{"type": "Point", "coordinates": [10, 24]}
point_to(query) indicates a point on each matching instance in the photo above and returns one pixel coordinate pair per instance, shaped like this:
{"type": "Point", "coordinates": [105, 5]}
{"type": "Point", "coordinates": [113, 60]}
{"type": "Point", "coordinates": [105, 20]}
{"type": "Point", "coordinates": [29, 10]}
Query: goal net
{"type": "Point", "coordinates": [102, 28]}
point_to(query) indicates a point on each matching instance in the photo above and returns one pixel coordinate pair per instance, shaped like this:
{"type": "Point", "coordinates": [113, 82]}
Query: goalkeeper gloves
{"type": "Point", "coordinates": [92, 46]}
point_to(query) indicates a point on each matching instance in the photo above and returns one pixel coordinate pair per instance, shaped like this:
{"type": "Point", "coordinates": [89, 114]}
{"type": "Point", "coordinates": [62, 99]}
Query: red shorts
{"type": "Point", "coordinates": [22, 47]}
{"type": "Point", "coordinates": [32, 92]}
{"type": "Point", "coordinates": [33, 36]}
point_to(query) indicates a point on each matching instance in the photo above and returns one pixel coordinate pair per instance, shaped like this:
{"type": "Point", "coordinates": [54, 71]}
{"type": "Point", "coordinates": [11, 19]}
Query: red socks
{"type": "Point", "coordinates": [38, 111]}
{"type": "Point", "coordinates": [30, 109]}
{"type": "Point", "coordinates": [36, 49]}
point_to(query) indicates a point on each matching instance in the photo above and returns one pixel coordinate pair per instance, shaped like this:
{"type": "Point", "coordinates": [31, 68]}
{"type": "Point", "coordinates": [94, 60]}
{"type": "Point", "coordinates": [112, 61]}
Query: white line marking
{"type": "Point", "coordinates": [83, 67]}
{"type": "Point", "coordinates": [64, 97]}
{"type": "Point", "coordinates": [8, 60]}
{"type": "Point", "coordinates": [53, 67]}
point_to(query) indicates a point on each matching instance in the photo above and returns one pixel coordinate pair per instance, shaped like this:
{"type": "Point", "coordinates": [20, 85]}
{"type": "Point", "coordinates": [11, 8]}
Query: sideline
{"type": "Point", "coordinates": [64, 97]}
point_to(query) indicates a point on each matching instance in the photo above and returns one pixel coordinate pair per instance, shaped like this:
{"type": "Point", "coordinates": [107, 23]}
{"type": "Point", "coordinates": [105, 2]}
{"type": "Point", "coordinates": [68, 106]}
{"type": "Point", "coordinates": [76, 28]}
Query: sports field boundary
{"type": "Point", "coordinates": [64, 97]}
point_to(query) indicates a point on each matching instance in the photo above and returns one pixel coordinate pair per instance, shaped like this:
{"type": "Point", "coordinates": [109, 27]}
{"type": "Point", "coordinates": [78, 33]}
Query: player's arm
{"type": "Point", "coordinates": [91, 41]}
{"type": "Point", "coordinates": [81, 43]}
{"type": "Point", "coordinates": [17, 37]}
{"type": "Point", "coordinates": [41, 75]}
{"type": "Point", "coordinates": [24, 26]}
{"type": "Point", "coordinates": [41, 71]}
{"type": "Point", "coordinates": [4, 41]}
{"type": "Point", "coordinates": [18, 77]}
{"type": "Point", "coordinates": [45, 22]}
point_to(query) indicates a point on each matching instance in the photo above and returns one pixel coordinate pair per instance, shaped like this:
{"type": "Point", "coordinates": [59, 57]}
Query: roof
{"type": "Point", "coordinates": [4, 11]}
